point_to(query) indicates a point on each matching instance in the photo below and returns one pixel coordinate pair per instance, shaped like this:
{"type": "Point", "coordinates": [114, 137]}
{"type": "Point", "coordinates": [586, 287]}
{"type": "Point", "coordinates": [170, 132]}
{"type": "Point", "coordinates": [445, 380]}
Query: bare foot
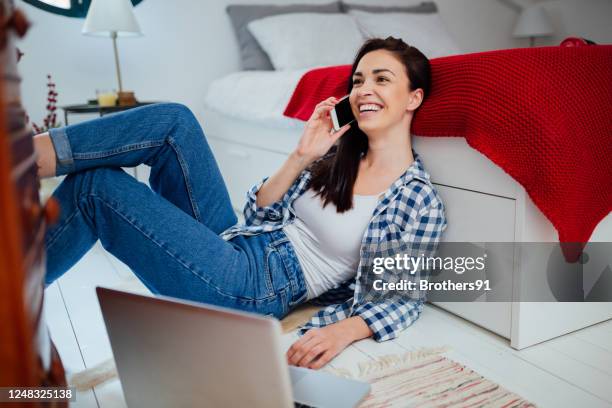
{"type": "Point", "coordinates": [45, 155]}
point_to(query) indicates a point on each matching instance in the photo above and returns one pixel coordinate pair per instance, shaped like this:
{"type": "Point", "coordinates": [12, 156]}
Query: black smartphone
{"type": "Point", "coordinates": [342, 113]}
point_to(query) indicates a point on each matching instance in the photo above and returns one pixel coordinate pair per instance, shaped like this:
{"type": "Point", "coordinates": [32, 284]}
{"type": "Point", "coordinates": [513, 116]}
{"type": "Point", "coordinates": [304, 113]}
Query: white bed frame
{"type": "Point", "coordinates": [483, 203]}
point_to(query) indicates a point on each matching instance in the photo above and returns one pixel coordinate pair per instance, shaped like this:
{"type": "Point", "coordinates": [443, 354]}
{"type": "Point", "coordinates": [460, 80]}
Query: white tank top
{"type": "Point", "coordinates": [327, 244]}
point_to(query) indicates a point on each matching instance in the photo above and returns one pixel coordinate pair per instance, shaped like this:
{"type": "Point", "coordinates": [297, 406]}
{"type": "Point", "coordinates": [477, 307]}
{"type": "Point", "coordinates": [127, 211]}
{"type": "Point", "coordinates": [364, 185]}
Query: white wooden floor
{"type": "Point", "coordinates": [570, 371]}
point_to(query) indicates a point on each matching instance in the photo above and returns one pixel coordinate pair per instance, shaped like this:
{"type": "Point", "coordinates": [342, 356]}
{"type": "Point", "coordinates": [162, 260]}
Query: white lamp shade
{"type": "Point", "coordinates": [107, 16]}
{"type": "Point", "coordinates": [533, 22]}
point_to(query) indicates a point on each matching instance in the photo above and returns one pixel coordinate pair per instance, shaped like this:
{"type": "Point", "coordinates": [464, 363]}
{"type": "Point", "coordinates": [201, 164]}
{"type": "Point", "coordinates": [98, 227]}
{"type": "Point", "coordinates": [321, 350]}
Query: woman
{"type": "Point", "coordinates": [311, 230]}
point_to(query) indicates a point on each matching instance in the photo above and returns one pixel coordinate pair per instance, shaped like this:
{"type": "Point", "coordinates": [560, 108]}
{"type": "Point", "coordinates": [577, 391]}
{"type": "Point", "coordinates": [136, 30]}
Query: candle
{"type": "Point", "coordinates": [107, 99]}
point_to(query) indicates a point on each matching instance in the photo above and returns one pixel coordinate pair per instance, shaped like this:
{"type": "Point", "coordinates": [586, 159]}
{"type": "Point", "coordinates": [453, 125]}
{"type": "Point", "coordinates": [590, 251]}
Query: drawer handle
{"type": "Point", "coordinates": [52, 211]}
{"type": "Point", "coordinates": [239, 153]}
{"type": "Point", "coordinates": [18, 22]}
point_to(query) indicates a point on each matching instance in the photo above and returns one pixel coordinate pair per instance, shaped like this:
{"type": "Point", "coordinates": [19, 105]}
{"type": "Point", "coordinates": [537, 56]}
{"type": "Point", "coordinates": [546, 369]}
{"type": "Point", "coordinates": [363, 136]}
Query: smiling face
{"type": "Point", "coordinates": [381, 97]}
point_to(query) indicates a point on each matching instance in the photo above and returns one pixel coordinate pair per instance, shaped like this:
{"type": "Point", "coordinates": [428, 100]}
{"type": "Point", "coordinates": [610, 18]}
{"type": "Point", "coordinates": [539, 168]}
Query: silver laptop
{"type": "Point", "coordinates": [173, 353]}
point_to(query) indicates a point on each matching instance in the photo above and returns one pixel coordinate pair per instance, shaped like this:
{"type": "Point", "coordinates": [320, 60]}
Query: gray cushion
{"type": "Point", "coordinates": [424, 7]}
{"type": "Point", "coordinates": [251, 54]}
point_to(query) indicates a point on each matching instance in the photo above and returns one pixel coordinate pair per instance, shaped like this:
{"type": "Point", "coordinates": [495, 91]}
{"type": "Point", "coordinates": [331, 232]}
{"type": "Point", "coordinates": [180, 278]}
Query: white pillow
{"type": "Point", "coordinates": [303, 40]}
{"type": "Point", "coordinates": [425, 31]}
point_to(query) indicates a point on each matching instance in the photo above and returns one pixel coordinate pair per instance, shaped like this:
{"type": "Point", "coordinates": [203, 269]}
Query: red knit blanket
{"type": "Point", "coordinates": [544, 115]}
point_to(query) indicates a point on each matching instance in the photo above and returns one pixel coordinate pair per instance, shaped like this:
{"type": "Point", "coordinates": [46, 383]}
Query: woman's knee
{"type": "Point", "coordinates": [186, 127]}
{"type": "Point", "coordinates": [180, 114]}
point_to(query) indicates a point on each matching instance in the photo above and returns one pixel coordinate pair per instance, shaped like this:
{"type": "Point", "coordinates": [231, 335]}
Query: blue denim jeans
{"type": "Point", "coordinates": [167, 234]}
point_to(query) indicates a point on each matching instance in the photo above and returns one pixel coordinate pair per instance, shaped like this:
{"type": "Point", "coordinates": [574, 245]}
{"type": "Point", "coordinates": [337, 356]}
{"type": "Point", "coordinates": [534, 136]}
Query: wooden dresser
{"type": "Point", "coordinates": [27, 355]}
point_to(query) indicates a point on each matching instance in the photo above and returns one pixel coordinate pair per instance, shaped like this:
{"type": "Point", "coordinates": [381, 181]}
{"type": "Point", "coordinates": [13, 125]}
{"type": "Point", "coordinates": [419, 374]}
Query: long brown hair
{"type": "Point", "coordinates": [334, 177]}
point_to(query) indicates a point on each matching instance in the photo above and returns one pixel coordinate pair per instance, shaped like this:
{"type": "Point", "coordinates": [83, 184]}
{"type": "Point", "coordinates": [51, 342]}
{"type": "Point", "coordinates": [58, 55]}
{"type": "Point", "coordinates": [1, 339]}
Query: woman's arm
{"type": "Point", "coordinates": [316, 140]}
{"type": "Point", "coordinates": [318, 346]}
{"type": "Point", "coordinates": [277, 185]}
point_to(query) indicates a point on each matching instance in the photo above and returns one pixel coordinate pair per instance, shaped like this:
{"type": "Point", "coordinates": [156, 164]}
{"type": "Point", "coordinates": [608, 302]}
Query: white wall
{"type": "Point", "coordinates": [590, 19]}
{"type": "Point", "coordinates": [187, 43]}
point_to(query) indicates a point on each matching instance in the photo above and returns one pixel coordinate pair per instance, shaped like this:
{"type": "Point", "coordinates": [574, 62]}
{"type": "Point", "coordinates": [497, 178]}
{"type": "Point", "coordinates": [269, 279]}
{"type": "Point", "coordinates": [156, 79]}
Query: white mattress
{"type": "Point", "coordinates": [259, 134]}
{"type": "Point", "coordinates": [256, 96]}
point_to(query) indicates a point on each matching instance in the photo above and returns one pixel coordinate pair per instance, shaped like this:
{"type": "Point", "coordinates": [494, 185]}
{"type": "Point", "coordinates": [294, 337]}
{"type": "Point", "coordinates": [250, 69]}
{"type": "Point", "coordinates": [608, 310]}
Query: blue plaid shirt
{"type": "Point", "coordinates": [409, 219]}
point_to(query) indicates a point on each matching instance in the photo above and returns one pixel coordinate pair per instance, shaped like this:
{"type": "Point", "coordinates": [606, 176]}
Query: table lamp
{"type": "Point", "coordinates": [532, 22]}
{"type": "Point", "coordinates": [113, 18]}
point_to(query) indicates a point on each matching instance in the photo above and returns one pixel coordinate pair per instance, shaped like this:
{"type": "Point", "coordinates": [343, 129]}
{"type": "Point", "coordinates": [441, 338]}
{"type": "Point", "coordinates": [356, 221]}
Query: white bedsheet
{"type": "Point", "coordinates": [258, 96]}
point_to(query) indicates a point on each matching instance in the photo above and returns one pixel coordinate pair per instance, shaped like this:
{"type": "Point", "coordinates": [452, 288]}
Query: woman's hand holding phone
{"type": "Point", "coordinates": [316, 140]}
{"type": "Point", "coordinates": [318, 136]}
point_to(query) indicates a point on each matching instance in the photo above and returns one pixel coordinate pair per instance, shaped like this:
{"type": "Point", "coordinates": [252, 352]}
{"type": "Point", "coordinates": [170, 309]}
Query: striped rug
{"type": "Point", "coordinates": [426, 378]}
